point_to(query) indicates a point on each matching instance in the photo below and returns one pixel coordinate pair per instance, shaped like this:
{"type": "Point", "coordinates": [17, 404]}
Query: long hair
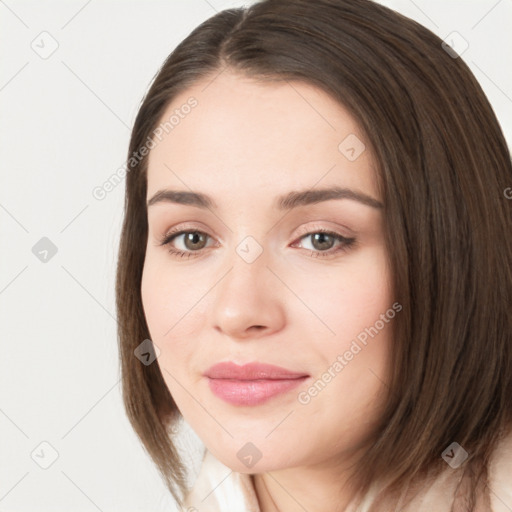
{"type": "Point", "coordinates": [443, 166]}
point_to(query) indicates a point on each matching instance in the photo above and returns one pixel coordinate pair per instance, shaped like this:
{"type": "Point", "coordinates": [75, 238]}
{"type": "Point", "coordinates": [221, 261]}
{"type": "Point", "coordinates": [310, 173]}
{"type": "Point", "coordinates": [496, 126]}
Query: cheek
{"type": "Point", "coordinates": [174, 315]}
{"type": "Point", "coordinates": [171, 302]}
{"type": "Point", "coordinates": [356, 306]}
{"type": "Point", "coordinates": [349, 392]}
{"type": "Point", "coordinates": [351, 297]}
{"type": "Point", "coordinates": [161, 309]}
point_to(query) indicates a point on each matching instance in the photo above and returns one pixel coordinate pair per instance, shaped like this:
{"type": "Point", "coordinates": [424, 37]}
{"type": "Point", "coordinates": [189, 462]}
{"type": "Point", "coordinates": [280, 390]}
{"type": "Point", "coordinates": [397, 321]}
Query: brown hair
{"type": "Point", "coordinates": [443, 166]}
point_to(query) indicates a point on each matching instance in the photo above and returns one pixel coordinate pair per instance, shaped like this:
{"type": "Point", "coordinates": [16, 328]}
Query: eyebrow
{"type": "Point", "coordinates": [288, 201]}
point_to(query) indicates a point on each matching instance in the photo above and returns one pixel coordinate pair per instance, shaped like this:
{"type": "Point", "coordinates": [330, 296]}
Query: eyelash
{"type": "Point", "coordinates": [346, 243]}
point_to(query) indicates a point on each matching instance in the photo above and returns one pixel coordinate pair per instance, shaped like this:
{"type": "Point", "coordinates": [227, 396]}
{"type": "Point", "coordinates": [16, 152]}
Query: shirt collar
{"type": "Point", "coordinates": [219, 489]}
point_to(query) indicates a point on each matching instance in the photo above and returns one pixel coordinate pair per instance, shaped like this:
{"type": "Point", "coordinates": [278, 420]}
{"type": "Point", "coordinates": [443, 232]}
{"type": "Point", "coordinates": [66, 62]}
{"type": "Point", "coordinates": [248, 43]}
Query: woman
{"type": "Point", "coordinates": [315, 268]}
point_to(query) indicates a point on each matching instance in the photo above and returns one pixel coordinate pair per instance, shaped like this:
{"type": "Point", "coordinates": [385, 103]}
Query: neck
{"type": "Point", "coordinates": [303, 488]}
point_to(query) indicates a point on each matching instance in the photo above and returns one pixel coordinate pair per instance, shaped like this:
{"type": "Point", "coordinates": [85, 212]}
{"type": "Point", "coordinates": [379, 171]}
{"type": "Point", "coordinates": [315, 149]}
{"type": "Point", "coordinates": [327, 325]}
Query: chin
{"type": "Point", "coordinates": [253, 457]}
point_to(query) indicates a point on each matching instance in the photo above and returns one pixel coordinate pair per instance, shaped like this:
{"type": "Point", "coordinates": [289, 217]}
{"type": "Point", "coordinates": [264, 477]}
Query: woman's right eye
{"type": "Point", "coordinates": [191, 239]}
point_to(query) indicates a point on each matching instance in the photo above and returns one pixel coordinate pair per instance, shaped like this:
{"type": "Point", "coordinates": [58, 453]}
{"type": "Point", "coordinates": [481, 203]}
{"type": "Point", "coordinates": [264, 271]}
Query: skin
{"type": "Point", "coordinates": [245, 143]}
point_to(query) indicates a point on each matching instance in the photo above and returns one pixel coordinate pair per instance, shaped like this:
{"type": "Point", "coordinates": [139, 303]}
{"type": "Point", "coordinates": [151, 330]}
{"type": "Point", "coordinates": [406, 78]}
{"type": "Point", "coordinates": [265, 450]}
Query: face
{"type": "Point", "coordinates": [253, 276]}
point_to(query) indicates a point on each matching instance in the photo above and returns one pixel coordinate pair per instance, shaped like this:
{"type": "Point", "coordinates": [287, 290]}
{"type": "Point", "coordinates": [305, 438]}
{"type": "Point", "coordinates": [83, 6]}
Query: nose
{"type": "Point", "coordinates": [248, 301]}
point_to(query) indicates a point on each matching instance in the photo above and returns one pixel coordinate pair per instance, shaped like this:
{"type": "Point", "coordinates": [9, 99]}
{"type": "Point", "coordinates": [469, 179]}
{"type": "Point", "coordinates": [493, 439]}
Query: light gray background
{"type": "Point", "coordinates": [65, 123]}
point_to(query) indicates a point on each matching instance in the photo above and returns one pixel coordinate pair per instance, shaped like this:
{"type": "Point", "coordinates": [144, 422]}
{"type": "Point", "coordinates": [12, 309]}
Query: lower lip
{"type": "Point", "coordinates": [251, 392]}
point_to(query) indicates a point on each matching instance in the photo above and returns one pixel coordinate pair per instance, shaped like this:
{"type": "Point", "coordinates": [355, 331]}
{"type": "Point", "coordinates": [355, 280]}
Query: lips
{"type": "Point", "coordinates": [251, 371]}
{"type": "Point", "coordinates": [251, 384]}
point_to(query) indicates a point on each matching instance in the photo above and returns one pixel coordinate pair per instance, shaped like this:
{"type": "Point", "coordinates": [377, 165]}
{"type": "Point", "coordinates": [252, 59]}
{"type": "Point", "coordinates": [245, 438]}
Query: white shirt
{"type": "Point", "coordinates": [219, 489]}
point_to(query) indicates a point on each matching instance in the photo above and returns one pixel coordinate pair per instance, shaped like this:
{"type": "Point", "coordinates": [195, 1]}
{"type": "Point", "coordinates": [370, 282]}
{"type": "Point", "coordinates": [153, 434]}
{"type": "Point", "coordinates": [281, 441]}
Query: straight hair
{"type": "Point", "coordinates": [443, 166]}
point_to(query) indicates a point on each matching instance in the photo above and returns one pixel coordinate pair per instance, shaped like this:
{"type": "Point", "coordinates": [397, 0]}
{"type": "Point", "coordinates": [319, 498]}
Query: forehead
{"type": "Point", "coordinates": [246, 135]}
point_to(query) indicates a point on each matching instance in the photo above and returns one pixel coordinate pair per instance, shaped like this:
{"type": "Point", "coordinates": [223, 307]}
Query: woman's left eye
{"type": "Point", "coordinates": [322, 238]}
{"type": "Point", "coordinates": [323, 242]}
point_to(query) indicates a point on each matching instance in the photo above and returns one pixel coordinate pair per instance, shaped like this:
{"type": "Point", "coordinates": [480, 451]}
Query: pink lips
{"type": "Point", "coordinates": [251, 384]}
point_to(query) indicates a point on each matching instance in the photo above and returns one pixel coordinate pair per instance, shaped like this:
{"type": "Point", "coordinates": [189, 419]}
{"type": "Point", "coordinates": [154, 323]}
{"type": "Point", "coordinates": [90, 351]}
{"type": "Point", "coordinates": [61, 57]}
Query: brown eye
{"type": "Point", "coordinates": [194, 240]}
{"type": "Point", "coordinates": [322, 241]}
{"type": "Point", "coordinates": [189, 243]}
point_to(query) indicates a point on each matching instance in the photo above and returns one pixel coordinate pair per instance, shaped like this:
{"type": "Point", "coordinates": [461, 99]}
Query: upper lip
{"type": "Point", "coordinates": [251, 371]}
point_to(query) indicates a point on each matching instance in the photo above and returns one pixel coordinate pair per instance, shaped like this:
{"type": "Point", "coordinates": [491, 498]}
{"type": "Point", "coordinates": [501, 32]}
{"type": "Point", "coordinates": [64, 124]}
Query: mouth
{"type": "Point", "coordinates": [251, 384]}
